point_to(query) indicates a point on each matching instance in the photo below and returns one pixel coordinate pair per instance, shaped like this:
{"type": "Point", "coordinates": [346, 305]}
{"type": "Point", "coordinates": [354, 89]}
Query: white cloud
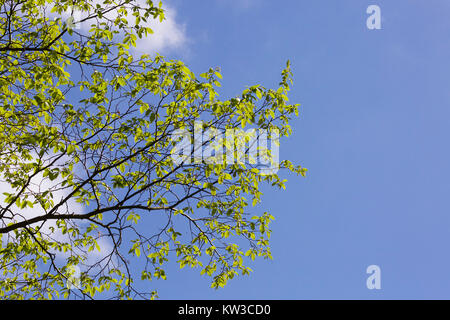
{"type": "Point", "coordinates": [49, 229]}
{"type": "Point", "coordinates": [168, 35]}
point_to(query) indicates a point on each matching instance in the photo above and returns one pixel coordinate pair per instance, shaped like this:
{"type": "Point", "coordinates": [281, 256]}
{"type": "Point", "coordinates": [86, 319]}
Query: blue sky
{"type": "Point", "coordinates": [373, 132]}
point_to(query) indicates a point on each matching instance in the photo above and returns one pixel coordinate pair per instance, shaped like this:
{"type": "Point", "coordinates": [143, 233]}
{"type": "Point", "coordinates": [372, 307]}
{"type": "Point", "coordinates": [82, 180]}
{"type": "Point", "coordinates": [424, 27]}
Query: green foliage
{"type": "Point", "coordinates": [85, 142]}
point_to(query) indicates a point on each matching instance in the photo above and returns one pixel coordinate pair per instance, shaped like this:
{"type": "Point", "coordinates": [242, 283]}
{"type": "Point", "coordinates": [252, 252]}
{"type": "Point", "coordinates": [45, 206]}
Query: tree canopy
{"type": "Point", "coordinates": [87, 175]}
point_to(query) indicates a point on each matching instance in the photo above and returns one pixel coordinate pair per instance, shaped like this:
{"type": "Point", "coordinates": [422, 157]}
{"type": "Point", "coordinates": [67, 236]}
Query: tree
{"type": "Point", "coordinates": [88, 174]}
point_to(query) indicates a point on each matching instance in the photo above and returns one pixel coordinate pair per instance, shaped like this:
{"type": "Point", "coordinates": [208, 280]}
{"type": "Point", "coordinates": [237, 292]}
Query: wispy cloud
{"type": "Point", "coordinates": [241, 4]}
